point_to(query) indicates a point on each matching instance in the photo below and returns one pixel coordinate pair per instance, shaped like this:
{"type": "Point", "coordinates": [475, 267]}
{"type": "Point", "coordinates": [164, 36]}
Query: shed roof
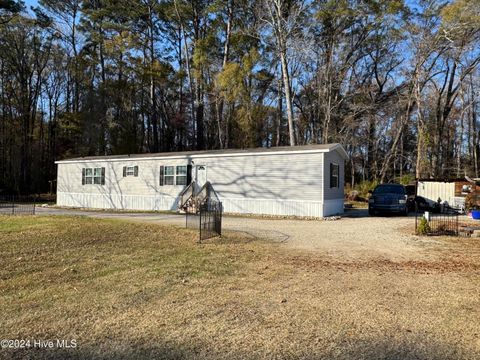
{"type": "Point", "coordinates": [444, 180]}
{"type": "Point", "coordinates": [225, 152]}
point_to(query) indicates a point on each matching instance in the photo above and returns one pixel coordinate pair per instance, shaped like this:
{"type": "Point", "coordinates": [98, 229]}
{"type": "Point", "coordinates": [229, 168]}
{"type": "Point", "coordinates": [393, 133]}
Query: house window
{"type": "Point", "coordinates": [93, 176]}
{"type": "Point", "coordinates": [88, 176]}
{"type": "Point", "coordinates": [130, 171]}
{"type": "Point", "coordinates": [97, 176]}
{"type": "Point", "coordinates": [334, 170]}
{"type": "Point", "coordinates": [181, 175]}
{"type": "Point", "coordinates": [169, 175]}
{"type": "Point", "coordinates": [175, 175]}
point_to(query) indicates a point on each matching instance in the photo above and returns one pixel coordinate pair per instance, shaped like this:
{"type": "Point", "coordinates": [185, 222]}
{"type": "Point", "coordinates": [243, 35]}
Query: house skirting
{"type": "Point", "coordinates": [230, 205]}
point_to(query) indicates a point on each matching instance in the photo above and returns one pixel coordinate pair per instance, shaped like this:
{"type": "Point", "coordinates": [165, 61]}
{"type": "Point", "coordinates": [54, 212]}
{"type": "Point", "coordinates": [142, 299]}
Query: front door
{"type": "Point", "coordinates": [201, 175]}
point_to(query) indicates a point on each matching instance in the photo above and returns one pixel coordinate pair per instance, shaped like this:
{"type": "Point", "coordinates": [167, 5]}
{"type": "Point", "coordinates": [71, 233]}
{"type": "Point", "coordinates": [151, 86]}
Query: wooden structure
{"type": "Point", "coordinates": [454, 192]}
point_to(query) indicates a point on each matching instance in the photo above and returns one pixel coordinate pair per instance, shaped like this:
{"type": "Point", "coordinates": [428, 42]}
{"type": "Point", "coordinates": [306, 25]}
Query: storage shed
{"type": "Point", "coordinates": [450, 191]}
{"type": "Point", "coordinates": [301, 181]}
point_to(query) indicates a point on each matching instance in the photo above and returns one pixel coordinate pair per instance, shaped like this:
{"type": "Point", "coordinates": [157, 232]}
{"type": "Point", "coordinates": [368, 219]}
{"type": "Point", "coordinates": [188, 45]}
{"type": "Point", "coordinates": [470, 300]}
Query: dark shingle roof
{"type": "Point", "coordinates": [324, 147]}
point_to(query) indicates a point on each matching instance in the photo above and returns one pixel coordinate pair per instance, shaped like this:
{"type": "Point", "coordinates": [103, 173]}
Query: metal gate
{"type": "Point", "coordinates": [208, 220]}
{"type": "Point", "coordinates": [442, 222]}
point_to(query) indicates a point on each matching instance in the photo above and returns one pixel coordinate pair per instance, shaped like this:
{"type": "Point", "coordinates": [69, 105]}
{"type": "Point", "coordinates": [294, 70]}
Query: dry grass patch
{"type": "Point", "coordinates": [128, 290]}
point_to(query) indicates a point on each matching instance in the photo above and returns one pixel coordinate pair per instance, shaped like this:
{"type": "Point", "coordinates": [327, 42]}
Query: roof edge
{"type": "Point", "coordinates": [247, 152]}
{"type": "Point", "coordinates": [341, 150]}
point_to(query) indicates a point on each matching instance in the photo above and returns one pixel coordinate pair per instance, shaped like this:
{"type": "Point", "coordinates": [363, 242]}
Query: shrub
{"type": "Point", "coordinates": [423, 227]}
{"type": "Point", "coordinates": [406, 179]}
{"type": "Point", "coordinates": [364, 187]}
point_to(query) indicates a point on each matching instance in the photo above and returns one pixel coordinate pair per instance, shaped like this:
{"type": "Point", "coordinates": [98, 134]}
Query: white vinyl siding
{"type": "Point", "coordinates": [267, 183]}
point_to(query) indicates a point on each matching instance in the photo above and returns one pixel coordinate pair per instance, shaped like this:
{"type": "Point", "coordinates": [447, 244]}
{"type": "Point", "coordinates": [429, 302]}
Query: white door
{"type": "Point", "coordinates": [201, 175]}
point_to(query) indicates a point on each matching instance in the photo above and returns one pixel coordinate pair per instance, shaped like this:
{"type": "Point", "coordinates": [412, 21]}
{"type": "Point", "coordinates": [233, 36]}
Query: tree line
{"type": "Point", "coordinates": [395, 82]}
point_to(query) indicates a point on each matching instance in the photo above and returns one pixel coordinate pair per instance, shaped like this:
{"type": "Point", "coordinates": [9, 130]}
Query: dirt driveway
{"type": "Point", "coordinates": [355, 236]}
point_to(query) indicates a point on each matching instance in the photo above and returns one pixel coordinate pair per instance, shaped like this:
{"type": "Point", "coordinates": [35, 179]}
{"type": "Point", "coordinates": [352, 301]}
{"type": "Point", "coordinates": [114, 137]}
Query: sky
{"type": "Point", "coordinates": [29, 3]}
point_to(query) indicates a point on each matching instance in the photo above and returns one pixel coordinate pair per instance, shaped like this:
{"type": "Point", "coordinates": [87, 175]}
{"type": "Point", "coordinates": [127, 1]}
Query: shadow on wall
{"type": "Point", "coordinates": [251, 182]}
{"type": "Point", "coordinates": [160, 196]}
{"type": "Point", "coordinates": [271, 184]}
{"type": "Point", "coordinates": [114, 196]}
{"type": "Point", "coordinates": [411, 347]}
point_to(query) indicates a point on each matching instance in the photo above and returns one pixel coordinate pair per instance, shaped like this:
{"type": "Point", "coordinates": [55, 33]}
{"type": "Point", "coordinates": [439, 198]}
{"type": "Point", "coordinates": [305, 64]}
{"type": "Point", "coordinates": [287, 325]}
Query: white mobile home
{"type": "Point", "coordinates": [302, 180]}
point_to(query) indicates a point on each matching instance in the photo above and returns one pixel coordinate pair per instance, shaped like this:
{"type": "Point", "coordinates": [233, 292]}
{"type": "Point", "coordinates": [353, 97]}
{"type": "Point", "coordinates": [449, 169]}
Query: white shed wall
{"type": "Point", "coordinates": [433, 190]}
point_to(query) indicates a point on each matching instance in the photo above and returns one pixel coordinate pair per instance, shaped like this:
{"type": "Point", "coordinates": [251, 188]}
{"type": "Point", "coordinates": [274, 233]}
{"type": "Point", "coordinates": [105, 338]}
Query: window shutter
{"type": "Point", "coordinates": [135, 171]}
{"type": "Point", "coordinates": [83, 176]}
{"type": "Point", "coordinates": [124, 171]}
{"type": "Point", "coordinates": [189, 174]}
{"type": "Point", "coordinates": [102, 180]}
{"type": "Point", "coordinates": [162, 173]}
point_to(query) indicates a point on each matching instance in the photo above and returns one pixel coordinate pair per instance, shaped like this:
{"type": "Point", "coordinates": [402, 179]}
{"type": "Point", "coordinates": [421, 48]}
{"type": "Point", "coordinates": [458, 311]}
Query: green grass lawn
{"type": "Point", "coordinates": [133, 291]}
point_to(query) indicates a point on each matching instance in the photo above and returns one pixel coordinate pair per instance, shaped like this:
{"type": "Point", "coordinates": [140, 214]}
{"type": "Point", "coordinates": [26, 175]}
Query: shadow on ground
{"type": "Point", "coordinates": [363, 213]}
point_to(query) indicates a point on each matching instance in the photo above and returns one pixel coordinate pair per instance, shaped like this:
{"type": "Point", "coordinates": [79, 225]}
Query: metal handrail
{"type": "Point", "coordinates": [194, 199]}
{"type": "Point", "coordinates": [187, 194]}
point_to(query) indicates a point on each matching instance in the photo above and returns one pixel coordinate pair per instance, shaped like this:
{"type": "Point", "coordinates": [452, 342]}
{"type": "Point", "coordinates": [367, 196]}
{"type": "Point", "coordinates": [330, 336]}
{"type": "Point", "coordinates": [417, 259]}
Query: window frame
{"type": "Point", "coordinates": [93, 176]}
{"type": "Point", "coordinates": [89, 176]}
{"type": "Point", "coordinates": [167, 178]}
{"type": "Point", "coordinates": [130, 170]}
{"type": "Point", "coordinates": [175, 175]}
{"type": "Point", "coordinates": [97, 176]}
{"type": "Point", "coordinates": [182, 176]}
{"type": "Point", "coordinates": [334, 176]}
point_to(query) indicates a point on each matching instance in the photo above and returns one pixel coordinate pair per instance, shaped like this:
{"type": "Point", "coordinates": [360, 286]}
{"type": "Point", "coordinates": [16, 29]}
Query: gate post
{"type": "Point", "coordinates": [416, 216]}
{"type": "Point", "coordinates": [200, 224]}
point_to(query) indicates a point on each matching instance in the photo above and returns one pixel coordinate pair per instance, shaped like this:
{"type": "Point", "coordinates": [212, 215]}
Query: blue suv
{"type": "Point", "coordinates": [390, 198]}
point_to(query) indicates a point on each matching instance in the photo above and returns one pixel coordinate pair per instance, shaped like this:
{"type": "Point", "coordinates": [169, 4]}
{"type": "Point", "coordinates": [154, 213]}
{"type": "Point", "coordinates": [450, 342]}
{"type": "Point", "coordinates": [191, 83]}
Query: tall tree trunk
{"type": "Point", "coordinates": [288, 96]}
{"type": "Point", "coordinates": [226, 52]}
{"type": "Point", "coordinates": [398, 135]}
{"type": "Point", "coordinates": [153, 102]}
{"type": "Point", "coordinates": [279, 117]}
{"type": "Point", "coordinates": [371, 161]}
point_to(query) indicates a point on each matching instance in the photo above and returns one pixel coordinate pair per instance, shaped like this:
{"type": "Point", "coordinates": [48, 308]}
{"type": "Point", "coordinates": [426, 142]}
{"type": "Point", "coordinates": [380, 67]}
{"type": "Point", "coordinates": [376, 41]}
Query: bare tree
{"type": "Point", "coordinates": [285, 20]}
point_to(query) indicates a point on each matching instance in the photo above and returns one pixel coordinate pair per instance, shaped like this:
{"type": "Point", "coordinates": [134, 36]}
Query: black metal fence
{"type": "Point", "coordinates": [192, 221]}
{"type": "Point", "coordinates": [208, 221]}
{"type": "Point", "coordinates": [444, 222]}
{"type": "Point", "coordinates": [17, 205]}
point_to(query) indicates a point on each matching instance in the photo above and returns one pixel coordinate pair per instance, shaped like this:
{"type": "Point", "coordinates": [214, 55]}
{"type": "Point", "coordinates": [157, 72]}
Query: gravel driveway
{"type": "Point", "coordinates": [355, 236]}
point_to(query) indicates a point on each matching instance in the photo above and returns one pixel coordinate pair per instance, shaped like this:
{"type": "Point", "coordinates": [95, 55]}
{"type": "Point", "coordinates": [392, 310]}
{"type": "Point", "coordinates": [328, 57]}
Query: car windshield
{"type": "Point", "coordinates": [389, 189]}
